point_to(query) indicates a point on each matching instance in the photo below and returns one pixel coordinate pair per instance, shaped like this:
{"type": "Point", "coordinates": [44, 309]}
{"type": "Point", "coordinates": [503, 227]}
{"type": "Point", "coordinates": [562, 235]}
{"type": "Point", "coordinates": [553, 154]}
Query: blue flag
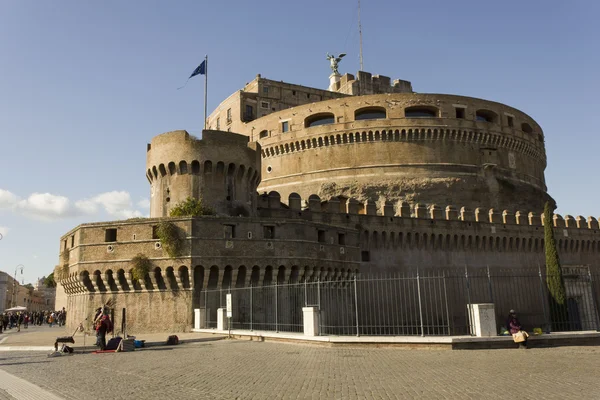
{"type": "Point", "coordinates": [200, 70]}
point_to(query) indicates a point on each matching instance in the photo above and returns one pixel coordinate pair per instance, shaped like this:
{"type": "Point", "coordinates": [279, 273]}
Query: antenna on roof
{"type": "Point", "coordinates": [360, 35]}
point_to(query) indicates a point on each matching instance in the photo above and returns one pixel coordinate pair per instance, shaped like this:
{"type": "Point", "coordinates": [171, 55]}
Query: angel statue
{"type": "Point", "coordinates": [334, 62]}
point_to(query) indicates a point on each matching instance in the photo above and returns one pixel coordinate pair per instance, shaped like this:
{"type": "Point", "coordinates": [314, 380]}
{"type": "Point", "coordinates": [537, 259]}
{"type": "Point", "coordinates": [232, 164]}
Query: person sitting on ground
{"type": "Point", "coordinates": [514, 326]}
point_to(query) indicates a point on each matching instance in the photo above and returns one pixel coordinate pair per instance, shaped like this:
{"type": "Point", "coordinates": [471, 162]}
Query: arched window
{"type": "Point", "coordinates": [319, 119]}
{"type": "Point", "coordinates": [486, 116]}
{"type": "Point", "coordinates": [421, 112]}
{"type": "Point", "coordinates": [525, 127]}
{"type": "Point", "coordinates": [370, 113]}
{"type": "Point", "coordinates": [264, 134]}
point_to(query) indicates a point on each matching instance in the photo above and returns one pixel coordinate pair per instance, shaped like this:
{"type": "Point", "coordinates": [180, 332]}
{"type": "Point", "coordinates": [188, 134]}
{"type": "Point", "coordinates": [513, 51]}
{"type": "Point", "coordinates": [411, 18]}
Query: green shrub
{"type": "Point", "coordinates": [141, 266]}
{"type": "Point", "coordinates": [191, 207]}
{"type": "Point", "coordinates": [554, 278]}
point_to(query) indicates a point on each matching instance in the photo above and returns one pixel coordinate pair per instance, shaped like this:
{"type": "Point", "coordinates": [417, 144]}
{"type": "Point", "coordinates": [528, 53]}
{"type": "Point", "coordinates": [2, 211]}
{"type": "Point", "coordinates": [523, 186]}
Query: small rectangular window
{"type": "Point", "coordinates": [65, 244]}
{"type": "Point", "coordinates": [510, 121]}
{"type": "Point", "coordinates": [342, 239]}
{"type": "Point", "coordinates": [229, 115]}
{"type": "Point", "coordinates": [154, 231]}
{"type": "Point", "coordinates": [460, 113]}
{"type": "Point", "coordinates": [293, 92]}
{"type": "Point", "coordinates": [265, 89]}
{"type": "Point", "coordinates": [264, 104]}
{"type": "Point", "coordinates": [308, 95]}
{"type": "Point", "coordinates": [285, 126]}
{"type": "Point", "coordinates": [321, 236]}
{"type": "Point", "coordinates": [73, 241]}
{"type": "Point", "coordinates": [218, 123]}
{"type": "Point", "coordinates": [269, 232]}
{"type": "Point", "coordinates": [365, 256]}
{"type": "Point", "coordinates": [229, 231]}
{"type": "Point", "coordinates": [110, 235]}
{"type": "Point", "coordinates": [249, 114]}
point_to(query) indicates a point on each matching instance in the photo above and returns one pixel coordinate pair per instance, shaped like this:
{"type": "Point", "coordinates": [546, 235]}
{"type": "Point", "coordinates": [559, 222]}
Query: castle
{"type": "Point", "coordinates": [310, 184]}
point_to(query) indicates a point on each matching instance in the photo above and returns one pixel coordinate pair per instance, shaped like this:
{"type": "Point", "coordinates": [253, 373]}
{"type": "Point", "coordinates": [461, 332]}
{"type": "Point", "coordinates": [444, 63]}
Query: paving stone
{"type": "Point", "coordinates": [230, 369]}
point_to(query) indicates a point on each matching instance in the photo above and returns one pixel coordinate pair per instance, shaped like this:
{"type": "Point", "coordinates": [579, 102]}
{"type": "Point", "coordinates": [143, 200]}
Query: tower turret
{"type": "Point", "coordinates": [222, 169]}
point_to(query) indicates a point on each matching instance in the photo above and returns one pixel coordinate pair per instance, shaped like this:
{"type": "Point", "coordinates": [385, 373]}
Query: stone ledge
{"type": "Point", "coordinates": [585, 338]}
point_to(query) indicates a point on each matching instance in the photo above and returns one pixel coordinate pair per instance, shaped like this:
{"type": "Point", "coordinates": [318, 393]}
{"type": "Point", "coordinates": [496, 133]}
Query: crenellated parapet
{"type": "Point", "coordinates": [403, 210]}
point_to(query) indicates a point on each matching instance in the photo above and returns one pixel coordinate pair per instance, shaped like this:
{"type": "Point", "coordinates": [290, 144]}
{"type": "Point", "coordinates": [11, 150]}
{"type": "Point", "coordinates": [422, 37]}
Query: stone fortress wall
{"type": "Point", "coordinates": [304, 240]}
{"type": "Point", "coordinates": [406, 147]}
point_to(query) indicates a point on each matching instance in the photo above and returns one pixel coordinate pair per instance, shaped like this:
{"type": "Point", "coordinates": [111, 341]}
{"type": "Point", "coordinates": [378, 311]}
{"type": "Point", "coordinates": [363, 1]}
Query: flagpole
{"type": "Point", "coordinates": [205, 86]}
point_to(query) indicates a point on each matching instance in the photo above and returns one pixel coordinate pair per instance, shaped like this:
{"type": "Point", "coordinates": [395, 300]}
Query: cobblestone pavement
{"type": "Point", "coordinates": [232, 369]}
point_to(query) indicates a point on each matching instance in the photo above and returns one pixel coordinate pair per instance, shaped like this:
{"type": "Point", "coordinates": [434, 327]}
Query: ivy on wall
{"type": "Point", "coordinates": [141, 267]}
{"type": "Point", "coordinates": [170, 238]}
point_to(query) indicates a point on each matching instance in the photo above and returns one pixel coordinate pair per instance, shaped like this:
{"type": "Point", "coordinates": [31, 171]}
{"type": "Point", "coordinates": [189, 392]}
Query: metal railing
{"type": "Point", "coordinates": [431, 302]}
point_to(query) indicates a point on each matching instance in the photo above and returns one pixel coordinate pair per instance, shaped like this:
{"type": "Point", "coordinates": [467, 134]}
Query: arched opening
{"type": "Point", "coordinates": [486, 116]}
{"type": "Point", "coordinates": [198, 277]}
{"type": "Point", "coordinates": [158, 277]}
{"type": "Point", "coordinates": [183, 167]}
{"type": "Point", "coordinates": [172, 170]}
{"type": "Point", "coordinates": [421, 112]}
{"type": "Point", "coordinates": [370, 113]}
{"type": "Point", "coordinates": [281, 275]}
{"type": "Point", "coordinates": [268, 275]}
{"type": "Point", "coordinates": [241, 277]}
{"type": "Point", "coordinates": [213, 277]}
{"type": "Point", "coordinates": [184, 276]}
{"type": "Point", "coordinates": [319, 119]}
{"type": "Point", "coordinates": [196, 167]}
{"type": "Point", "coordinates": [122, 280]}
{"type": "Point", "coordinates": [171, 281]}
{"type": "Point", "coordinates": [525, 127]}
{"type": "Point", "coordinates": [263, 134]}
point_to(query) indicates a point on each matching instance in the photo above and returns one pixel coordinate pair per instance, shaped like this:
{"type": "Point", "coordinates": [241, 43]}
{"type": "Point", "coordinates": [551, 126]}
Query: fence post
{"type": "Point", "coordinates": [446, 299]}
{"type": "Point", "coordinates": [305, 294]}
{"type": "Point", "coordinates": [251, 306]}
{"type": "Point", "coordinates": [490, 285]}
{"type": "Point", "coordinates": [548, 323]}
{"type": "Point", "coordinates": [594, 300]}
{"type": "Point", "coordinates": [356, 306]}
{"type": "Point", "coordinates": [206, 308]}
{"type": "Point", "coordinates": [276, 310]}
{"type": "Point", "coordinates": [420, 307]}
{"type": "Point", "coordinates": [319, 304]}
{"type": "Point", "coordinates": [469, 305]}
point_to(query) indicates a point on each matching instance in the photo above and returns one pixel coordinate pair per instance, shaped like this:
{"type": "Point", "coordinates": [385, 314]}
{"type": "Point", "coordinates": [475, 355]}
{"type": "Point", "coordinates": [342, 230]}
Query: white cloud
{"type": "Point", "coordinates": [144, 203]}
{"type": "Point", "coordinates": [116, 204]}
{"type": "Point", "coordinates": [49, 207]}
{"type": "Point", "coordinates": [45, 206]}
{"type": "Point", "coordinates": [4, 230]}
{"type": "Point", "coordinates": [8, 199]}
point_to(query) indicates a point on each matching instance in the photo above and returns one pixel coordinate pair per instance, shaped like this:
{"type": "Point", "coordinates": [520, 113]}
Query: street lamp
{"type": "Point", "coordinates": [12, 300]}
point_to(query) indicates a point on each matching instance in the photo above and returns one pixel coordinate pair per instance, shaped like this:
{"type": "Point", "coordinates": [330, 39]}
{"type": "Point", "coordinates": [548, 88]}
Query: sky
{"type": "Point", "coordinates": [84, 86]}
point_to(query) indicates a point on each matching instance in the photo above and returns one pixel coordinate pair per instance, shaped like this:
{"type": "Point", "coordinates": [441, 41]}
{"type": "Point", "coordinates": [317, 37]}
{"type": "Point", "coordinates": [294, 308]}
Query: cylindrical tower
{"type": "Point", "coordinates": [222, 169]}
{"type": "Point", "coordinates": [426, 148]}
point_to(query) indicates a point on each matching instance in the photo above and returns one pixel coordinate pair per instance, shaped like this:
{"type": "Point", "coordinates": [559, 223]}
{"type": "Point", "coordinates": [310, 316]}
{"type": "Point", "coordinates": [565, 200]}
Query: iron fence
{"type": "Point", "coordinates": [432, 302]}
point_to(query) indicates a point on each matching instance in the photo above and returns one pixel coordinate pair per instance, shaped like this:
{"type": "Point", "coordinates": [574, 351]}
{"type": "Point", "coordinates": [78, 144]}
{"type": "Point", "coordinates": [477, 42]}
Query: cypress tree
{"type": "Point", "coordinates": [554, 279]}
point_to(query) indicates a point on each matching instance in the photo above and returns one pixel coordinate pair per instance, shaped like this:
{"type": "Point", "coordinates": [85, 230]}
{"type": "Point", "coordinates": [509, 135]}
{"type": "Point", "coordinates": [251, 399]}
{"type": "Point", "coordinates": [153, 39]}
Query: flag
{"type": "Point", "coordinates": [200, 70]}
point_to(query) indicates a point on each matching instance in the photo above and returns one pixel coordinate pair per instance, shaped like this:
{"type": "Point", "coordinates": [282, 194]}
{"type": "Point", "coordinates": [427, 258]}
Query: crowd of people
{"type": "Point", "coordinates": [11, 320]}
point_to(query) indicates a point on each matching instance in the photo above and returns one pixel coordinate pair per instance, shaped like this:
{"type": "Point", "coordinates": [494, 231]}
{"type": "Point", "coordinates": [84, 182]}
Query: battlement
{"type": "Point", "coordinates": [351, 206]}
{"type": "Point", "coordinates": [365, 83]}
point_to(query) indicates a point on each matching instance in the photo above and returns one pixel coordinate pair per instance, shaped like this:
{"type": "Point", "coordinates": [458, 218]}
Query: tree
{"type": "Point", "coordinates": [49, 281]}
{"type": "Point", "coordinates": [554, 278]}
{"type": "Point", "coordinates": [191, 207]}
